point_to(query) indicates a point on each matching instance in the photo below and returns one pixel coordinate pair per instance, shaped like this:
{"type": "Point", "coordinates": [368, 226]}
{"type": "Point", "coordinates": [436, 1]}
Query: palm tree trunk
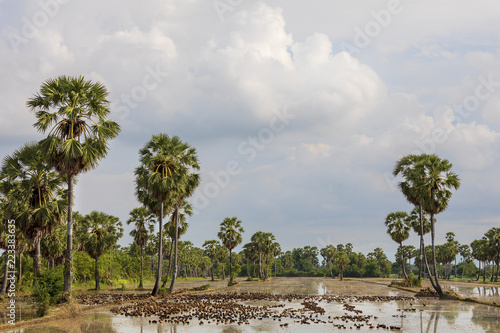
{"type": "Point", "coordinates": [20, 269]}
{"type": "Point", "coordinates": [437, 287]}
{"type": "Point", "coordinates": [212, 268]}
{"type": "Point", "coordinates": [6, 270]}
{"type": "Point", "coordinates": [403, 260]}
{"type": "Point", "coordinates": [174, 275]}
{"type": "Point", "coordinates": [96, 271]}
{"type": "Point", "coordinates": [38, 262]}
{"type": "Point", "coordinates": [261, 273]}
{"type": "Point", "coordinates": [275, 266]}
{"type": "Point", "coordinates": [68, 265]}
{"type": "Point", "coordinates": [267, 266]}
{"type": "Point", "coordinates": [484, 270]}
{"type": "Point", "coordinates": [230, 266]}
{"type": "Point", "coordinates": [422, 247]}
{"type": "Point", "coordinates": [169, 264]}
{"type": "Point", "coordinates": [142, 269]}
{"type": "Point", "coordinates": [156, 288]}
{"type": "Point", "coordinates": [479, 273]}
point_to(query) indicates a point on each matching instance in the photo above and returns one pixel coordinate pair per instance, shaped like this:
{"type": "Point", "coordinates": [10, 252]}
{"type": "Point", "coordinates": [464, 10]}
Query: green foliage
{"type": "Point", "coordinates": [47, 290]}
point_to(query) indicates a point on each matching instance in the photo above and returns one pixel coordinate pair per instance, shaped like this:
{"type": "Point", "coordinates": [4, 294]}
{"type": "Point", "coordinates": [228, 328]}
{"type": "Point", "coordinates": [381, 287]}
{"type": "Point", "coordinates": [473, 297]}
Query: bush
{"type": "Point", "coordinates": [47, 289]}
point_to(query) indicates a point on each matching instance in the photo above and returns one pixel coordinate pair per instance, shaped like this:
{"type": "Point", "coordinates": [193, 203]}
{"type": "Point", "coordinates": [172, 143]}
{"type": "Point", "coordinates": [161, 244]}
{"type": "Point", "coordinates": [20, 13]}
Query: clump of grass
{"type": "Point", "coordinates": [202, 288]}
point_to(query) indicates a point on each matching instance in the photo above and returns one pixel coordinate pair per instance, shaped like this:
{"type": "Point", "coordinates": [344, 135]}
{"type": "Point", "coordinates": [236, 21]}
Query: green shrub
{"type": "Point", "coordinates": [47, 289]}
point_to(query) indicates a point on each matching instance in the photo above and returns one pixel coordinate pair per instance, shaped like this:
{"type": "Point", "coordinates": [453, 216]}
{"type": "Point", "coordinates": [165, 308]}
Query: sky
{"type": "Point", "coordinates": [298, 110]}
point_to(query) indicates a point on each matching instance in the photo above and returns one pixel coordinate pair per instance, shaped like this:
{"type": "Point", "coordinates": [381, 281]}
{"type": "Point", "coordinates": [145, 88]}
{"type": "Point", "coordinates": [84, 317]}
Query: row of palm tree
{"type": "Point", "coordinates": [262, 244]}
{"type": "Point", "coordinates": [427, 184]}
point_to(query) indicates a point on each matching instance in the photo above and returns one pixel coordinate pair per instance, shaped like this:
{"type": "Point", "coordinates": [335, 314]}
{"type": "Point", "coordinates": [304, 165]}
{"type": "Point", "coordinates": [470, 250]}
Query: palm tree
{"type": "Point", "coordinates": [258, 240]}
{"type": "Point", "coordinates": [175, 228]}
{"type": "Point", "coordinates": [230, 235]}
{"type": "Point", "coordinates": [421, 226]}
{"type": "Point", "coordinates": [40, 189]}
{"type": "Point", "coordinates": [434, 194]}
{"type": "Point", "coordinates": [398, 228]}
{"type": "Point", "coordinates": [341, 260]}
{"type": "Point", "coordinates": [74, 111]}
{"type": "Point", "coordinates": [275, 251]}
{"type": "Point", "coordinates": [251, 253]}
{"type": "Point", "coordinates": [493, 243]}
{"type": "Point", "coordinates": [165, 176]}
{"type": "Point", "coordinates": [103, 231]}
{"type": "Point", "coordinates": [143, 221]}
{"type": "Point", "coordinates": [327, 253]}
{"type": "Point", "coordinates": [268, 249]}
{"type": "Point", "coordinates": [211, 251]}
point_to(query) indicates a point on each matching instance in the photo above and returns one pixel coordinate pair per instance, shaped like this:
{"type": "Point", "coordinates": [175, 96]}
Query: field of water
{"type": "Point", "coordinates": [330, 305]}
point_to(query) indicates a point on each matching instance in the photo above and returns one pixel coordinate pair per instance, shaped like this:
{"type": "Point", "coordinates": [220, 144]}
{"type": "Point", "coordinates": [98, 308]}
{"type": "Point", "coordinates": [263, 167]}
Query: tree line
{"type": "Point", "coordinates": [37, 192]}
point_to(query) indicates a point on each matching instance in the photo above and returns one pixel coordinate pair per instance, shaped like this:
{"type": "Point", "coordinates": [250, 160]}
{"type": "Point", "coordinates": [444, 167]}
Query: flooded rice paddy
{"type": "Point", "coordinates": [292, 305]}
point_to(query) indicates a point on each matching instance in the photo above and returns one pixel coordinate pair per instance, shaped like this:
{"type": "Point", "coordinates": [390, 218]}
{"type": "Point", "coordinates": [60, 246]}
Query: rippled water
{"type": "Point", "coordinates": [422, 315]}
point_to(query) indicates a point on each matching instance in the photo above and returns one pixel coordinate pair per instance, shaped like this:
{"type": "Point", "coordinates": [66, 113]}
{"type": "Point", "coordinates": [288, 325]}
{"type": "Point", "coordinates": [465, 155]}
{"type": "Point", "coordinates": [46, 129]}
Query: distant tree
{"type": "Point", "coordinates": [211, 252]}
{"type": "Point", "coordinates": [230, 235]}
{"type": "Point", "coordinates": [341, 260]}
{"type": "Point", "coordinates": [398, 227]}
{"type": "Point", "coordinates": [143, 221]}
{"type": "Point", "coordinates": [103, 231]}
{"type": "Point", "coordinates": [327, 253]}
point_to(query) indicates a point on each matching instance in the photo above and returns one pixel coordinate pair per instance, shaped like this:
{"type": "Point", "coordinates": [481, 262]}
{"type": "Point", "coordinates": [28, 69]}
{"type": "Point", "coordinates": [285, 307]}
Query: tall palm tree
{"type": "Point", "coordinates": [341, 260]}
{"type": "Point", "coordinates": [211, 251]}
{"type": "Point", "coordinates": [398, 228]}
{"type": "Point", "coordinates": [412, 169]}
{"type": "Point", "coordinates": [165, 175]}
{"type": "Point", "coordinates": [268, 249]}
{"type": "Point", "coordinates": [175, 228]}
{"type": "Point", "coordinates": [434, 193]}
{"type": "Point", "coordinates": [74, 111]}
{"type": "Point", "coordinates": [258, 240]}
{"type": "Point", "coordinates": [103, 231]}
{"type": "Point", "coordinates": [275, 251]}
{"type": "Point", "coordinates": [230, 235]}
{"type": "Point", "coordinates": [143, 220]}
{"type": "Point", "coordinates": [421, 225]}
{"type": "Point", "coordinates": [40, 189]}
{"type": "Point", "coordinates": [327, 252]}
{"type": "Point", "coordinates": [251, 253]}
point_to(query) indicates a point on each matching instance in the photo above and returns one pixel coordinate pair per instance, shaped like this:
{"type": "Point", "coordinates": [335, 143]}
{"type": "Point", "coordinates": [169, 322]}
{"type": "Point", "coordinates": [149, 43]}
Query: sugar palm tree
{"type": "Point", "coordinates": [230, 235]}
{"type": "Point", "coordinates": [268, 249]}
{"type": "Point", "coordinates": [40, 189]}
{"type": "Point", "coordinates": [398, 228]}
{"type": "Point", "coordinates": [176, 233]}
{"type": "Point", "coordinates": [327, 253]}
{"type": "Point", "coordinates": [341, 260]}
{"type": "Point", "coordinates": [211, 252]}
{"type": "Point", "coordinates": [103, 231]}
{"type": "Point", "coordinates": [275, 251]}
{"type": "Point", "coordinates": [165, 176]}
{"type": "Point", "coordinates": [421, 226]}
{"type": "Point", "coordinates": [143, 220]}
{"type": "Point", "coordinates": [434, 193]}
{"type": "Point", "coordinates": [74, 111]}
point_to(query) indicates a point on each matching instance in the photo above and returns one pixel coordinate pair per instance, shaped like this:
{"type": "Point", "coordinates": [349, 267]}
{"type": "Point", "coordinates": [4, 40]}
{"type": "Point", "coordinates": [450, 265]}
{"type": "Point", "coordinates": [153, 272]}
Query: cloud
{"type": "Point", "coordinates": [175, 67]}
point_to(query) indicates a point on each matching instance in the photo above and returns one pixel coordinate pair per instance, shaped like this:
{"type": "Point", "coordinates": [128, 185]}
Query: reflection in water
{"type": "Point", "coordinates": [491, 323]}
{"type": "Point", "coordinates": [321, 289]}
{"type": "Point", "coordinates": [419, 315]}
